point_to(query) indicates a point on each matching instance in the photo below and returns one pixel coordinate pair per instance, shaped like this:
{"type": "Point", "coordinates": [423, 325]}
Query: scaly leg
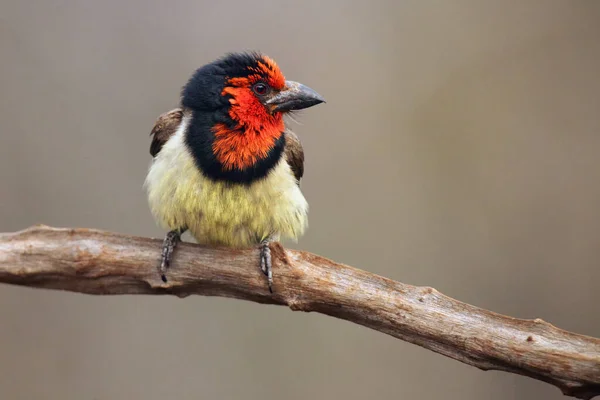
{"type": "Point", "coordinates": [265, 261]}
{"type": "Point", "coordinates": [171, 239]}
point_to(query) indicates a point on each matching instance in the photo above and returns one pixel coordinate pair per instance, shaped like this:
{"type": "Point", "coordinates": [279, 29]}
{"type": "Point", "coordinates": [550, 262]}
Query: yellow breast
{"type": "Point", "coordinates": [220, 213]}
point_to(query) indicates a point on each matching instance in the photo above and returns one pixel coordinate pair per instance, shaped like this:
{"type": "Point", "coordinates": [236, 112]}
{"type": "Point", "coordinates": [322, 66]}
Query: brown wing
{"type": "Point", "coordinates": [165, 126]}
{"type": "Point", "coordinates": [294, 154]}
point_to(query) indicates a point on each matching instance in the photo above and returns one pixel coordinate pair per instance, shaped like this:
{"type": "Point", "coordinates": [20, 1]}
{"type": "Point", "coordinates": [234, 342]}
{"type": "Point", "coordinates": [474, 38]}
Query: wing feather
{"type": "Point", "coordinates": [294, 154]}
{"type": "Point", "coordinates": [166, 125]}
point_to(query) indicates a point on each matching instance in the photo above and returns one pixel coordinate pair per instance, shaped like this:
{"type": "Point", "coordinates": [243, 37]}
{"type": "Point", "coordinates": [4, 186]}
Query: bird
{"type": "Point", "coordinates": [224, 166]}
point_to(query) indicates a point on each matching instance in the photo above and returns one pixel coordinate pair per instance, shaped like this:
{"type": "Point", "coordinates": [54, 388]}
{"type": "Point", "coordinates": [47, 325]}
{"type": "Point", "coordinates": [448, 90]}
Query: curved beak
{"type": "Point", "coordinates": [294, 96]}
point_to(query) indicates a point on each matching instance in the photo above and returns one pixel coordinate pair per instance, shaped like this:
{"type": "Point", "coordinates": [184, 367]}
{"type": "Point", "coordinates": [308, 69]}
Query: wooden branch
{"type": "Point", "coordinates": [96, 262]}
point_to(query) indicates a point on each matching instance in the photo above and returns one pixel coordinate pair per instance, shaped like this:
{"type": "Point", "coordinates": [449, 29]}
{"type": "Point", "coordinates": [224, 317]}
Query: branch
{"type": "Point", "coordinates": [96, 262]}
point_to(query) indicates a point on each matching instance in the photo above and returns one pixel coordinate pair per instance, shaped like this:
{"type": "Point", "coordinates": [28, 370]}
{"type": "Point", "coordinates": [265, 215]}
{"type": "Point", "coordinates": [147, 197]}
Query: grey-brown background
{"type": "Point", "coordinates": [459, 148]}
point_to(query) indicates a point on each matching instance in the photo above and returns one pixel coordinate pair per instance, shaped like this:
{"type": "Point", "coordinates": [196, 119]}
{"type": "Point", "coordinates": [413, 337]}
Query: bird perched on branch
{"type": "Point", "coordinates": [224, 167]}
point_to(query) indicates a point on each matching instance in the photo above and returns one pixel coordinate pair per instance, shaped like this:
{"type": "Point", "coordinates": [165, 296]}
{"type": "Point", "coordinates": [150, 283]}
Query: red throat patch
{"type": "Point", "coordinates": [257, 129]}
{"type": "Point", "coordinates": [242, 148]}
{"type": "Point", "coordinates": [254, 136]}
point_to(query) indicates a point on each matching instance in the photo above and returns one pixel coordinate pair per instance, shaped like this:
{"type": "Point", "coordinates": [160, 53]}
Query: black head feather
{"type": "Point", "coordinates": [203, 90]}
{"type": "Point", "coordinates": [203, 96]}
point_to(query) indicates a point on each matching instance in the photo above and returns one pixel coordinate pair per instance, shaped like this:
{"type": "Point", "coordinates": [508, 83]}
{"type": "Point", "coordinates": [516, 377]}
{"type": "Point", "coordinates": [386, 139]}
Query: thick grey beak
{"type": "Point", "coordinates": [295, 96]}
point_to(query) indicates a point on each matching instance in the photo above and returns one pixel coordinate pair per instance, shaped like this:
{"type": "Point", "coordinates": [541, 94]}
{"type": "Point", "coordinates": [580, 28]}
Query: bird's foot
{"type": "Point", "coordinates": [171, 239]}
{"type": "Point", "coordinates": [265, 262]}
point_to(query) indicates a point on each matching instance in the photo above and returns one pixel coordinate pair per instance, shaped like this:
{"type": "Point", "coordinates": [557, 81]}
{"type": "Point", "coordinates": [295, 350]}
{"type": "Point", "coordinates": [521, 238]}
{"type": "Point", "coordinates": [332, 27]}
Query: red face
{"type": "Point", "coordinates": [248, 95]}
{"type": "Point", "coordinates": [258, 101]}
{"type": "Point", "coordinates": [259, 128]}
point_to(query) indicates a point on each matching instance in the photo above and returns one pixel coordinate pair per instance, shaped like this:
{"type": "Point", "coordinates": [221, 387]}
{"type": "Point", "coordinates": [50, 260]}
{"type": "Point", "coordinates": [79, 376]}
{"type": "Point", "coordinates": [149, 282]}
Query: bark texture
{"type": "Point", "coordinates": [97, 262]}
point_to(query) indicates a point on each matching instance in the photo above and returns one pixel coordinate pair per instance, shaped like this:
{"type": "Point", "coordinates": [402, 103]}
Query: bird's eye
{"type": "Point", "coordinates": [260, 89]}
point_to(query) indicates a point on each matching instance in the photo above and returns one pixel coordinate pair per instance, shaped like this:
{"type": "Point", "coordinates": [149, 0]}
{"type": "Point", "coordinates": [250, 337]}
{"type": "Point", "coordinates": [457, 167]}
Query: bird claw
{"type": "Point", "coordinates": [169, 244]}
{"type": "Point", "coordinates": [265, 262]}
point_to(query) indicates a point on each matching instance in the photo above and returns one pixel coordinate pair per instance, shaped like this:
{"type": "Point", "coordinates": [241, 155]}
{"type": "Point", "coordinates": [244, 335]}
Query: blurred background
{"type": "Point", "coordinates": [459, 148]}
